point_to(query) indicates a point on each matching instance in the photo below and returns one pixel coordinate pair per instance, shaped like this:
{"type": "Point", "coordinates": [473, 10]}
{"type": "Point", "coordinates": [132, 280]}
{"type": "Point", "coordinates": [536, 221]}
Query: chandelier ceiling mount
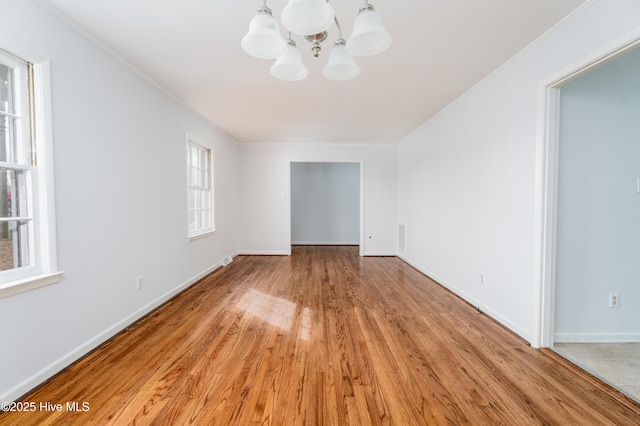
{"type": "Point", "coordinates": [315, 40]}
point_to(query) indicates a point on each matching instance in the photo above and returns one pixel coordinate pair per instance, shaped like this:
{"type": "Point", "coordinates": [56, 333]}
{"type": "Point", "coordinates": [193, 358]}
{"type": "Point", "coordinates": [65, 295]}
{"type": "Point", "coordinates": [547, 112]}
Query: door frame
{"type": "Point", "coordinates": [546, 181]}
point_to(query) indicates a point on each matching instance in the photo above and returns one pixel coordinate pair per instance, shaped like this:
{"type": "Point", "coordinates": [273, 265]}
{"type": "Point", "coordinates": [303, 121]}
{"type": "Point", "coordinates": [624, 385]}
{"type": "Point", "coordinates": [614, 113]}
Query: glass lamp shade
{"type": "Point", "coordinates": [307, 17]}
{"type": "Point", "coordinates": [289, 65]}
{"type": "Point", "coordinates": [369, 36]}
{"type": "Point", "coordinates": [341, 65]}
{"type": "Point", "coordinates": [263, 39]}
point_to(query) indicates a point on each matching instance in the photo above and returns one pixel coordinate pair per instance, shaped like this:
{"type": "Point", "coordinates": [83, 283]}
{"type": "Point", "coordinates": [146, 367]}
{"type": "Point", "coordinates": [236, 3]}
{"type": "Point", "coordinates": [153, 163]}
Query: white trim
{"type": "Point", "coordinates": [544, 218]}
{"type": "Point", "coordinates": [361, 245]}
{"type": "Point", "coordinates": [17, 166]}
{"type": "Point", "coordinates": [46, 186]}
{"type": "Point", "coordinates": [263, 253]}
{"type": "Point", "coordinates": [546, 181]}
{"type": "Point", "coordinates": [596, 337]}
{"type": "Point", "coordinates": [16, 218]}
{"type": "Point", "coordinates": [29, 283]}
{"type": "Point", "coordinates": [288, 172]}
{"type": "Point", "coordinates": [10, 115]}
{"type": "Point", "coordinates": [487, 310]}
{"type": "Point", "coordinates": [201, 235]}
{"type": "Point", "coordinates": [318, 144]}
{"type": "Point", "coordinates": [325, 243]}
{"type": "Point", "coordinates": [82, 350]}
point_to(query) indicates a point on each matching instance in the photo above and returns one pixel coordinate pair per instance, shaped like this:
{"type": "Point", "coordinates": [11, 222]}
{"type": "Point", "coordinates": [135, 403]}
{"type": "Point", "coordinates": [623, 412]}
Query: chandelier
{"type": "Point", "coordinates": [311, 19]}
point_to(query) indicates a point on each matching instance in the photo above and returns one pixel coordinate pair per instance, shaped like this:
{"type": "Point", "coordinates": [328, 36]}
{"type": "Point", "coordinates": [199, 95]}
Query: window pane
{"type": "Point", "coordinates": [206, 218]}
{"type": "Point", "coordinates": [191, 203]}
{"type": "Point", "coordinates": [15, 143]}
{"type": "Point", "coordinates": [203, 220]}
{"type": "Point", "coordinates": [6, 89]}
{"type": "Point", "coordinates": [204, 179]}
{"type": "Point", "coordinates": [204, 160]}
{"type": "Point", "coordinates": [13, 193]}
{"type": "Point", "coordinates": [199, 195]}
{"type": "Point", "coordinates": [192, 220]}
{"type": "Point", "coordinates": [8, 139]}
{"type": "Point", "coordinates": [14, 244]}
{"type": "Point", "coordinates": [201, 198]}
{"type": "Point", "coordinates": [193, 158]}
{"type": "Point", "coordinates": [198, 219]}
{"type": "Point", "coordinates": [193, 177]}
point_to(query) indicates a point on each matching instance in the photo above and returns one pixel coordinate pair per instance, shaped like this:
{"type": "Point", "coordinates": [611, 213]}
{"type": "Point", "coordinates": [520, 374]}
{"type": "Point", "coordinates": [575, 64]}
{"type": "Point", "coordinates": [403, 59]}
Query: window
{"type": "Point", "coordinates": [199, 188]}
{"type": "Point", "coordinates": [27, 259]}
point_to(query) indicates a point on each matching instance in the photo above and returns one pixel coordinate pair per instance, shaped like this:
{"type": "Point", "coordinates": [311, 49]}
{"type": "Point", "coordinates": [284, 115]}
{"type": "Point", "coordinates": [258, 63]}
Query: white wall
{"type": "Point", "coordinates": [325, 203]}
{"type": "Point", "coordinates": [264, 175]}
{"type": "Point", "coordinates": [467, 177]}
{"type": "Point", "coordinates": [598, 228]}
{"type": "Point", "coordinates": [120, 182]}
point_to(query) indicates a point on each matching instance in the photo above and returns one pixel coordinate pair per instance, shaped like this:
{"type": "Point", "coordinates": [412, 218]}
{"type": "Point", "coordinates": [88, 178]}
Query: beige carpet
{"type": "Point", "coordinates": [618, 364]}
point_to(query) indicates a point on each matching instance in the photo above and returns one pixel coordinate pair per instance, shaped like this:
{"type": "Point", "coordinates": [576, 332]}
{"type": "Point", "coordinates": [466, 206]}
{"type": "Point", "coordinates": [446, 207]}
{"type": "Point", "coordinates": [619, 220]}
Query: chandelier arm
{"type": "Point", "coordinates": [335, 18]}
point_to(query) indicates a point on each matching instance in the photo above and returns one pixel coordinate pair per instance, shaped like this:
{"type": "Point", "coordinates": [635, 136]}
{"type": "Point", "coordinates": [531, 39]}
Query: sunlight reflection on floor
{"type": "Point", "coordinates": [276, 311]}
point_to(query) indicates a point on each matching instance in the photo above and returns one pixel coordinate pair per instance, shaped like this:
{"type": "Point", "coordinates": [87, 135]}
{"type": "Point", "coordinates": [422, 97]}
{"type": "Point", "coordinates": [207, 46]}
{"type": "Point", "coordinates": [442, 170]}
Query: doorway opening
{"type": "Point", "coordinates": [326, 203]}
{"type": "Point", "coordinates": [589, 199]}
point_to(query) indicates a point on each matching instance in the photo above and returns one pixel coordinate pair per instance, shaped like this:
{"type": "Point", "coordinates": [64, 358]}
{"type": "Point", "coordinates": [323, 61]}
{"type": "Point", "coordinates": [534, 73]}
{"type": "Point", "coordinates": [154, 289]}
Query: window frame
{"type": "Point", "coordinates": [43, 269]}
{"type": "Point", "coordinates": [201, 146]}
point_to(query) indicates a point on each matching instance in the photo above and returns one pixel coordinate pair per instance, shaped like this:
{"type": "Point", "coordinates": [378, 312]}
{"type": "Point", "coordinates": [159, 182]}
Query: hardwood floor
{"type": "Point", "coordinates": [321, 337]}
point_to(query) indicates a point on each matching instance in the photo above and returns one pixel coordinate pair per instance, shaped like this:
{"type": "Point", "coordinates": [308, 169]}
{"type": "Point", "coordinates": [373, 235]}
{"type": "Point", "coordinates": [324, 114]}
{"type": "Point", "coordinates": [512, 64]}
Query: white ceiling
{"type": "Point", "coordinates": [440, 49]}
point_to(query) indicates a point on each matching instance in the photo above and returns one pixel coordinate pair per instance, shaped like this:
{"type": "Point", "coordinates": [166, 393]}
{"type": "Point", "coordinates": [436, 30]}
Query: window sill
{"type": "Point", "coordinates": [201, 235]}
{"type": "Point", "coordinates": [30, 283]}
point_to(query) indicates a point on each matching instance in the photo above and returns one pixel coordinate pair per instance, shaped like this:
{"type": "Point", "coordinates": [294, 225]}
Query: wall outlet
{"type": "Point", "coordinates": [139, 283]}
{"type": "Point", "coordinates": [482, 278]}
{"type": "Point", "coordinates": [614, 300]}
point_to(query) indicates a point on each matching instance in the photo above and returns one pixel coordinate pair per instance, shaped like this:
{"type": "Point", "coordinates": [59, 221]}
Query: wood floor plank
{"type": "Point", "coordinates": [322, 337]}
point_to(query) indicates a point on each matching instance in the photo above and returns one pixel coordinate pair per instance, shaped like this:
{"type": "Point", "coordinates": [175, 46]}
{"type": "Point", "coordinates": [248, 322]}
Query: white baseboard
{"type": "Point", "coordinates": [68, 359]}
{"type": "Point", "coordinates": [596, 337]}
{"type": "Point", "coordinates": [380, 253]}
{"type": "Point", "coordinates": [325, 243]}
{"type": "Point", "coordinates": [286, 253]}
{"type": "Point", "coordinates": [262, 253]}
{"type": "Point", "coordinates": [524, 334]}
